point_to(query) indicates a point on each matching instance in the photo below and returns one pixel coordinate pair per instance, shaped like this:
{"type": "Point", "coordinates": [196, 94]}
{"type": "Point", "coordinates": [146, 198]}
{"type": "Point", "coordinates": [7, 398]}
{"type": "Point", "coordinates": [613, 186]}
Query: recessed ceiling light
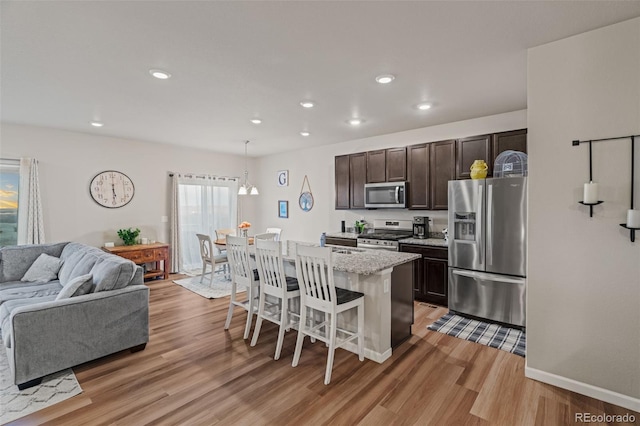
{"type": "Point", "coordinates": [307, 104]}
{"type": "Point", "coordinates": [97, 124]}
{"type": "Point", "coordinates": [162, 75]}
{"type": "Point", "coordinates": [423, 106]}
{"type": "Point", "coordinates": [385, 78]}
{"type": "Point", "coordinates": [256, 121]}
{"type": "Point", "coordinates": [355, 121]}
{"type": "Point", "coordinates": [305, 133]}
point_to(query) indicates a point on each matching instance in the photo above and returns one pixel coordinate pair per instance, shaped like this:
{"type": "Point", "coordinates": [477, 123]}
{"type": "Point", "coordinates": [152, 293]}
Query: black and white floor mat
{"type": "Point", "coordinates": [493, 335]}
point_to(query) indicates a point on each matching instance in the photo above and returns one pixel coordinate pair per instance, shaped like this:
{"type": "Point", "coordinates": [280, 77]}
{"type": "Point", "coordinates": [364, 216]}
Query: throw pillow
{"type": "Point", "coordinates": [43, 270]}
{"type": "Point", "coordinates": [76, 287]}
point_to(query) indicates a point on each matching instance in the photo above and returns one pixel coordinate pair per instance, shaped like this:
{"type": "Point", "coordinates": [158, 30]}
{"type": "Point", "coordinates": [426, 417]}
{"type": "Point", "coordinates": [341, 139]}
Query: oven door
{"type": "Point", "coordinates": [385, 195]}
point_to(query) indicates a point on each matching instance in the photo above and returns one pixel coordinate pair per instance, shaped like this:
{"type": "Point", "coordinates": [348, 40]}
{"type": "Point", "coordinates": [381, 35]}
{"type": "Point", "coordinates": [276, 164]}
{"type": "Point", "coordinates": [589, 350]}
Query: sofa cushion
{"type": "Point", "coordinates": [51, 288]}
{"type": "Point", "coordinates": [109, 271]}
{"type": "Point", "coordinates": [112, 273]}
{"type": "Point", "coordinates": [16, 260]}
{"type": "Point", "coordinates": [78, 263]}
{"type": "Point", "coordinates": [43, 270]}
{"type": "Point", "coordinates": [76, 287]}
{"type": "Point", "coordinates": [8, 307]}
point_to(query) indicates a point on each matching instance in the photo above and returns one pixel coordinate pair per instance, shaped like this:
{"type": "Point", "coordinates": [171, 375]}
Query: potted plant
{"type": "Point", "coordinates": [129, 236]}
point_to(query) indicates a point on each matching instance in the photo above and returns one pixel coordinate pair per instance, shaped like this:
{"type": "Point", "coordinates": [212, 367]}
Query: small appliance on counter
{"type": "Point", "coordinates": [420, 227]}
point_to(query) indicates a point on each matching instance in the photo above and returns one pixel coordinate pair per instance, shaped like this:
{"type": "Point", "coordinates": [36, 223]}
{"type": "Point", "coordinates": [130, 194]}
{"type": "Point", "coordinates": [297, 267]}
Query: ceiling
{"type": "Point", "coordinates": [65, 64]}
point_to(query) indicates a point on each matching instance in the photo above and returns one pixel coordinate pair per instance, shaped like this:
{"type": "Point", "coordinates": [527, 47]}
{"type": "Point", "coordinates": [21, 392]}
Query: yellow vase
{"type": "Point", "coordinates": [479, 169]}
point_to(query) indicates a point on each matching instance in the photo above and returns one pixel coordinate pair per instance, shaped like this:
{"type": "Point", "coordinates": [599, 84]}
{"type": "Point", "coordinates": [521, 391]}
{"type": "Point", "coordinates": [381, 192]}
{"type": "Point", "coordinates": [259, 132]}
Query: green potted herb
{"type": "Point", "coordinates": [129, 236]}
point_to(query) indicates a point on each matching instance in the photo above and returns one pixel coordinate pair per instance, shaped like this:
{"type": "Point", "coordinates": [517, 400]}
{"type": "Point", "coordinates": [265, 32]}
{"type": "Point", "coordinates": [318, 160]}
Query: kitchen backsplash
{"type": "Point", "coordinates": [438, 219]}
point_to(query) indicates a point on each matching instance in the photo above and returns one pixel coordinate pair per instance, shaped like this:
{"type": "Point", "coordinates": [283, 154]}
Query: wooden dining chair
{"type": "Point", "coordinates": [319, 294]}
{"type": "Point", "coordinates": [266, 236]}
{"type": "Point", "coordinates": [274, 283]}
{"type": "Point", "coordinates": [277, 231]}
{"type": "Point", "coordinates": [242, 276]}
{"type": "Point", "coordinates": [221, 235]}
{"type": "Point", "coordinates": [208, 256]}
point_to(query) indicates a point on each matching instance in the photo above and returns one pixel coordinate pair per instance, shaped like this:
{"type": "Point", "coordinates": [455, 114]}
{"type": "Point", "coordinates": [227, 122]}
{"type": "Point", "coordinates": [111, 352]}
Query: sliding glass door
{"type": "Point", "coordinates": [205, 204]}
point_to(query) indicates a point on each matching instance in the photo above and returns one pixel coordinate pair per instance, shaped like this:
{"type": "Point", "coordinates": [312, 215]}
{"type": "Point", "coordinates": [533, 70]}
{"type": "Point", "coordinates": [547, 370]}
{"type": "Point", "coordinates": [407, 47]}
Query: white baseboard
{"type": "Point", "coordinates": [378, 357]}
{"type": "Point", "coordinates": [583, 388]}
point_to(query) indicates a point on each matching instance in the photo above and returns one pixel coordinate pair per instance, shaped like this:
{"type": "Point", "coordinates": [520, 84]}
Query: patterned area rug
{"type": "Point", "coordinates": [493, 335]}
{"type": "Point", "coordinates": [221, 286]}
{"type": "Point", "coordinates": [53, 389]}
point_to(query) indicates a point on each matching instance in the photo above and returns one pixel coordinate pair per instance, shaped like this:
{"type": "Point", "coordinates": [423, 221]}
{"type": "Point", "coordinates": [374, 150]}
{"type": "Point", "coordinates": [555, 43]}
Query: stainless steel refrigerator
{"type": "Point", "coordinates": [488, 248]}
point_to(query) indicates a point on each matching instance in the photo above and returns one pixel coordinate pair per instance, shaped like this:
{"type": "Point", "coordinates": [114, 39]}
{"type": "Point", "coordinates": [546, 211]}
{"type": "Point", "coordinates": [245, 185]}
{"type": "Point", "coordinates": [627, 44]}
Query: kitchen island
{"type": "Point", "coordinates": [386, 279]}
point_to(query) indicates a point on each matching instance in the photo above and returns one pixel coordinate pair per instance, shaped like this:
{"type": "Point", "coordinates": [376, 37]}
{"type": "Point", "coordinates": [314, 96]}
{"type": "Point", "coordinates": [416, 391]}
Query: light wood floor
{"type": "Point", "coordinates": [195, 373]}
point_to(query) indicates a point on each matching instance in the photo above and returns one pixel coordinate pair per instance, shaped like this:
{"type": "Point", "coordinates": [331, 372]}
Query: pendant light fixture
{"type": "Point", "coordinates": [246, 187]}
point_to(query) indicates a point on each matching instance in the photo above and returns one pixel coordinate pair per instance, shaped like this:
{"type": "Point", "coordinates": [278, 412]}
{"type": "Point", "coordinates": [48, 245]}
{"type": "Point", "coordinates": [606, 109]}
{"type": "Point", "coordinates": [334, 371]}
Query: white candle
{"type": "Point", "coordinates": [590, 193]}
{"type": "Point", "coordinates": [633, 219]}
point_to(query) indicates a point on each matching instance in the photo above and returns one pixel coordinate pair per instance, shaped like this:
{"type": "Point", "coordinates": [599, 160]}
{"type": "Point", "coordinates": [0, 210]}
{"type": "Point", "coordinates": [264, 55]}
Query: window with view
{"type": "Point", "coordinates": [9, 185]}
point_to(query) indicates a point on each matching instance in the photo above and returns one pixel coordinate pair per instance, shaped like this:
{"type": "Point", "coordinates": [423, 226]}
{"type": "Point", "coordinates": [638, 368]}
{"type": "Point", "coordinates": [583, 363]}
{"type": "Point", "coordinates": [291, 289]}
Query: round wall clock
{"type": "Point", "coordinates": [111, 189]}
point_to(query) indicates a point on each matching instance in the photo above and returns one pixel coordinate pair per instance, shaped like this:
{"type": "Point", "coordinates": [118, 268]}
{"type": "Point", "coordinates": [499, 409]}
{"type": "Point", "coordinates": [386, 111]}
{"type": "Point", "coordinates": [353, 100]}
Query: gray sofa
{"type": "Point", "coordinates": [43, 335]}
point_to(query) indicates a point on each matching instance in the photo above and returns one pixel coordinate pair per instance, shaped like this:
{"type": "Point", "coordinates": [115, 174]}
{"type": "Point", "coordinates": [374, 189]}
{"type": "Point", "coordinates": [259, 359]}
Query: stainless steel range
{"type": "Point", "coordinates": [386, 234]}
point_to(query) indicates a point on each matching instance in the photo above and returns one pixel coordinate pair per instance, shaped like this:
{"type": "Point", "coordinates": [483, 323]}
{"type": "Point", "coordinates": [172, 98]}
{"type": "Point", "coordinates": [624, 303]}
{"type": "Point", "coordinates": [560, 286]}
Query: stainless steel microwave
{"type": "Point", "coordinates": [385, 195]}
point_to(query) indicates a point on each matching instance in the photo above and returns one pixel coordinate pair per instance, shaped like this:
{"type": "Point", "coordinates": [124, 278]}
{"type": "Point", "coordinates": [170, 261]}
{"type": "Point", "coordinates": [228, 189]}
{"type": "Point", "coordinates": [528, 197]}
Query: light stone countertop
{"type": "Point", "coordinates": [358, 261]}
{"type": "Point", "coordinates": [437, 242]}
{"type": "Point", "coordinates": [350, 235]}
{"type": "Point", "coordinates": [367, 262]}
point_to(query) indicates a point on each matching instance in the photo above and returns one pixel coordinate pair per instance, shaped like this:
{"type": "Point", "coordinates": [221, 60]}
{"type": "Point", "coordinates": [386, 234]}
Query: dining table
{"type": "Point", "coordinates": [222, 242]}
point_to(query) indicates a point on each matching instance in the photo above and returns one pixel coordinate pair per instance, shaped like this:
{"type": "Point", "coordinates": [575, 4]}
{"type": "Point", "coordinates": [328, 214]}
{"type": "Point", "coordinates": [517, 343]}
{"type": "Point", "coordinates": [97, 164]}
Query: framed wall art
{"type": "Point", "coordinates": [283, 178]}
{"type": "Point", "coordinates": [283, 209]}
{"type": "Point", "coordinates": [306, 197]}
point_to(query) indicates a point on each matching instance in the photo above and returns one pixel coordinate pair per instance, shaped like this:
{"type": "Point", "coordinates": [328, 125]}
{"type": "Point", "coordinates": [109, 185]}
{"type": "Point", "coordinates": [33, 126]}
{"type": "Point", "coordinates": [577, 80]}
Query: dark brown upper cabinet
{"type": "Point", "coordinates": [387, 165]}
{"type": "Point", "coordinates": [469, 150]}
{"type": "Point", "coordinates": [443, 169]}
{"type": "Point", "coordinates": [376, 166]}
{"type": "Point", "coordinates": [418, 175]}
{"type": "Point", "coordinates": [342, 182]}
{"type": "Point", "coordinates": [515, 140]}
{"type": "Point", "coordinates": [430, 168]}
{"type": "Point", "coordinates": [396, 164]}
{"type": "Point", "coordinates": [357, 177]}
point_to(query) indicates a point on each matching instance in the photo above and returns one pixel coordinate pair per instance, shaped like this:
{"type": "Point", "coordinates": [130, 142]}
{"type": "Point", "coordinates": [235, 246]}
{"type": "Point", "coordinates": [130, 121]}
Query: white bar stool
{"type": "Point", "coordinates": [241, 275]}
{"type": "Point", "coordinates": [273, 282]}
{"type": "Point", "coordinates": [318, 292]}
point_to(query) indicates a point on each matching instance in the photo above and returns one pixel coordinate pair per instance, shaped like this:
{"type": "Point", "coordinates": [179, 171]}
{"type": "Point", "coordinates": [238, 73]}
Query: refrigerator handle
{"type": "Point", "coordinates": [490, 224]}
{"type": "Point", "coordinates": [480, 238]}
{"type": "Point", "coordinates": [489, 277]}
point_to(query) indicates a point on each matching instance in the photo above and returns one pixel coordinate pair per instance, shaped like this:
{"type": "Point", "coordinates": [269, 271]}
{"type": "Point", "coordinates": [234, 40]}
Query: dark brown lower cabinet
{"type": "Point", "coordinates": [431, 280]}
{"type": "Point", "coordinates": [337, 241]}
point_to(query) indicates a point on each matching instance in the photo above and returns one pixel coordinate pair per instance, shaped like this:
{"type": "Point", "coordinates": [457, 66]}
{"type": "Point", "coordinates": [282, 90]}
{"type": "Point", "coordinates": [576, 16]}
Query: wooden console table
{"type": "Point", "coordinates": [146, 253]}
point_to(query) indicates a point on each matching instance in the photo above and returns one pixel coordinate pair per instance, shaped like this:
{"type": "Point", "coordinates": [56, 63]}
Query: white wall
{"type": "Point", "coordinates": [583, 325]}
{"type": "Point", "coordinates": [69, 160]}
{"type": "Point", "coordinates": [318, 165]}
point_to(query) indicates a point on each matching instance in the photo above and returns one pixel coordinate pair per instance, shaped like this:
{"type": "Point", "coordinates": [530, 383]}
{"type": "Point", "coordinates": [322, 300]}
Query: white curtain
{"type": "Point", "coordinates": [200, 205]}
{"type": "Point", "coordinates": [174, 237]}
{"type": "Point", "coordinates": [30, 219]}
